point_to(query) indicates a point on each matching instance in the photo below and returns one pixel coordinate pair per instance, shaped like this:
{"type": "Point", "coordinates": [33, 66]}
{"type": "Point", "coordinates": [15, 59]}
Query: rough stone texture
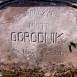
{"type": "Point", "coordinates": [17, 19]}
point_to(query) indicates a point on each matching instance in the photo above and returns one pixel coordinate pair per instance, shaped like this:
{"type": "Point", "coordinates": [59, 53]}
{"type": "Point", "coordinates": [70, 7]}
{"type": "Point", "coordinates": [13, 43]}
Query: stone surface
{"type": "Point", "coordinates": [37, 36]}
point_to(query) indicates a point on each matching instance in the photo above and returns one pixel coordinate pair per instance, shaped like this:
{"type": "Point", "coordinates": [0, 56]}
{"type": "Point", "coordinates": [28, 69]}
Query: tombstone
{"type": "Point", "coordinates": [38, 36]}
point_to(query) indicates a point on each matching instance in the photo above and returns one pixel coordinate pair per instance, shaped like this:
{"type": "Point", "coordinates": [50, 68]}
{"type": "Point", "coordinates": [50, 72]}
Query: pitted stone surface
{"type": "Point", "coordinates": [37, 35]}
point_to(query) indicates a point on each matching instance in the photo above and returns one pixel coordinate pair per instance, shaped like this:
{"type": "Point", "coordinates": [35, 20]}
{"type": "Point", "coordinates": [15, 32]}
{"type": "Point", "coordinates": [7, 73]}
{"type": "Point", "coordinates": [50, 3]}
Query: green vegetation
{"type": "Point", "coordinates": [68, 72]}
{"type": "Point", "coordinates": [26, 73]}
